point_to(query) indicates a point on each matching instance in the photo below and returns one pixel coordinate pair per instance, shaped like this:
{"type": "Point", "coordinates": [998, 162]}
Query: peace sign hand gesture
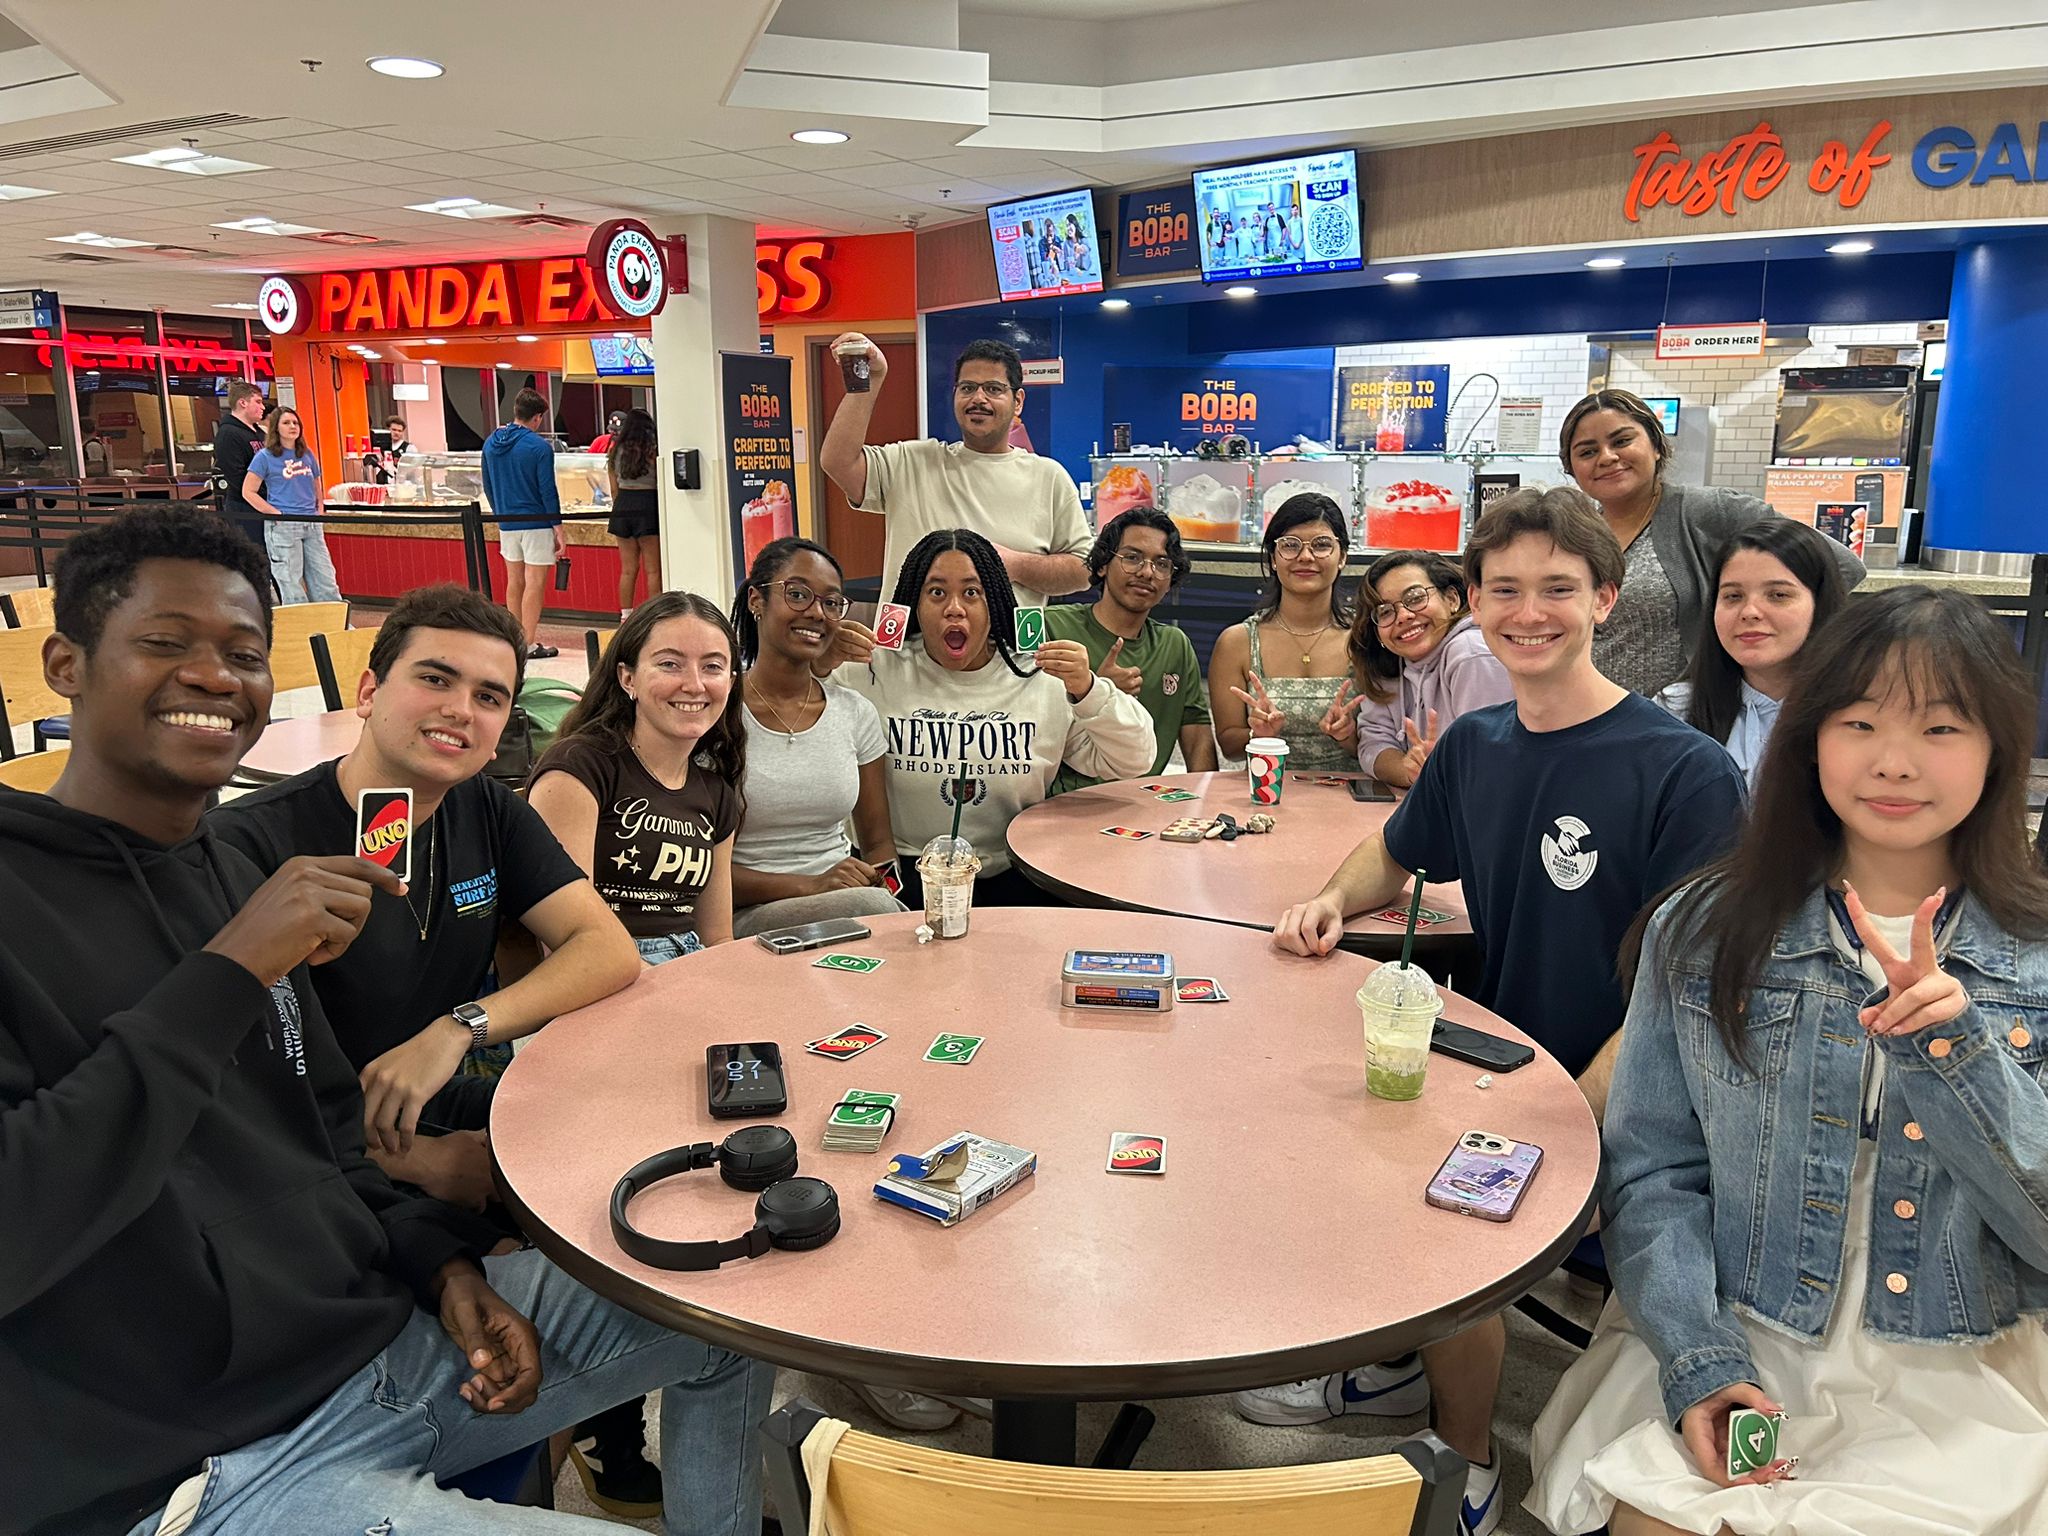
{"type": "Point", "coordinates": [1260, 713]}
{"type": "Point", "coordinates": [1922, 993]}
{"type": "Point", "coordinates": [1340, 720]}
{"type": "Point", "coordinates": [1419, 746]}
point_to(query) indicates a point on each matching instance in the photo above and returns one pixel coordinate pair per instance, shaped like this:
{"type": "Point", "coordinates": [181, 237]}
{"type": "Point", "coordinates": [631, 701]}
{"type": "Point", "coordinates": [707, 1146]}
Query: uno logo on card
{"type": "Point", "coordinates": [386, 833]}
{"type": "Point", "coordinates": [1139, 1153]}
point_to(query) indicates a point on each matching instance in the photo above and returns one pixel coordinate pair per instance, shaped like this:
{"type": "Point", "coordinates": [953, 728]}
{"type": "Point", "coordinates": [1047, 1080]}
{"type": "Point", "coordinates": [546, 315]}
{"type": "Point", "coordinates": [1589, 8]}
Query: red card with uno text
{"type": "Point", "coordinates": [384, 829]}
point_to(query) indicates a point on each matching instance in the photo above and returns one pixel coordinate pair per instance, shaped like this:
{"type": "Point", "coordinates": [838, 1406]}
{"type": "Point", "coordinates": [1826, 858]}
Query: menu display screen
{"type": "Point", "coordinates": [612, 355]}
{"type": "Point", "coordinates": [1046, 246]}
{"type": "Point", "coordinates": [1280, 218]}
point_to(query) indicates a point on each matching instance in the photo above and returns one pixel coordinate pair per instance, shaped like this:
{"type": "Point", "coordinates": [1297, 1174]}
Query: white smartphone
{"type": "Point", "coordinates": [788, 941]}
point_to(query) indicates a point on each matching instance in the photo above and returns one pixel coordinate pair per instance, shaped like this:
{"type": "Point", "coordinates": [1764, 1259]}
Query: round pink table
{"type": "Point", "coordinates": [1288, 1237]}
{"type": "Point", "coordinates": [292, 746]}
{"type": "Point", "coordinates": [1060, 847]}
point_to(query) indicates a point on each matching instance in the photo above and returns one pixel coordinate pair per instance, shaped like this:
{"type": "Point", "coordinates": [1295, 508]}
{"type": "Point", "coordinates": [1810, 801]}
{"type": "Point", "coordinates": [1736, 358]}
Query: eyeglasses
{"type": "Point", "coordinates": [799, 597]}
{"type": "Point", "coordinates": [967, 389]}
{"type": "Point", "coordinates": [1290, 547]}
{"type": "Point", "coordinates": [1415, 599]}
{"type": "Point", "coordinates": [1134, 562]}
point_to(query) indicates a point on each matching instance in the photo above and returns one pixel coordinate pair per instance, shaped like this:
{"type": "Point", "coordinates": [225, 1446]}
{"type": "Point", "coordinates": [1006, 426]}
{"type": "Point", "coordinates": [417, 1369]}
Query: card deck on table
{"type": "Point", "coordinates": [1199, 989]}
{"type": "Point", "coordinates": [892, 623]}
{"type": "Point", "coordinates": [1189, 829]}
{"type": "Point", "coordinates": [860, 964]}
{"type": "Point", "coordinates": [1752, 1440]}
{"type": "Point", "coordinates": [1030, 628]}
{"type": "Point", "coordinates": [860, 1120]}
{"type": "Point", "coordinates": [1425, 917]}
{"type": "Point", "coordinates": [1177, 794]}
{"type": "Point", "coordinates": [847, 1044]}
{"type": "Point", "coordinates": [955, 1050]}
{"type": "Point", "coordinates": [1132, 833]}
{"type": "Point", "coordinates": [384, 829]}
{"type": "Point", "coordinates": [1136, 1152]}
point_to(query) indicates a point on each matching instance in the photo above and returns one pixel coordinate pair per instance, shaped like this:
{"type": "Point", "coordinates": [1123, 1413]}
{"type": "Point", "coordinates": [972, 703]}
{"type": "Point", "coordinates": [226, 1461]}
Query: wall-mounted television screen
{"type": "Point", "coordinates": [1280, 218]}
{"type": "Point", "coordinates": [1666, 407]}
{"type": "Point", "coordinates": [616, 355]}
{"type": "Point", "coordinates": [1046, 246]}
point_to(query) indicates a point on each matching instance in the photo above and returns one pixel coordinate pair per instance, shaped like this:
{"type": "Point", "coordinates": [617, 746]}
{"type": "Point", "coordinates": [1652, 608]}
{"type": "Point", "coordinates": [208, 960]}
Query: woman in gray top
{"type": "Point", "coordinates": [1615, 448]}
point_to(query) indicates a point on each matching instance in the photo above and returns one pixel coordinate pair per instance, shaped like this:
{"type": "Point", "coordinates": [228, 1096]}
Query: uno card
{"type": "Point", "coordinates": [847, 1044]}
{"type": "Point", "coordinates": [860, 1107]}
{"type": "Point", "coordinates": [892, 878]}
{"type": "Point", "coordinates": [1131, 833]}
{"type": "Point", "coordinates": [1136, 1152]}
{"type": "Point", "coordinates": [954, 1050]}
{"type": "Point", "coordinates": [1752, 1441]}
{"type": "Point", "coordinates": [1173, 795]}
{"type": "Point", "coordinates": [858, 964]}
{"type": "Point", "coordinates": [1199, 989]}
{"type": "Point", "coordinates": [1425, 917]}
{"type": "Point", "coordinates": [1155, 789]}
{"type": "Point", "coordinates": [1030, 628]}
{"type": "Point", "coordinates": [384, 829]}
{"type": "Point", "coordinates": [892, 623]}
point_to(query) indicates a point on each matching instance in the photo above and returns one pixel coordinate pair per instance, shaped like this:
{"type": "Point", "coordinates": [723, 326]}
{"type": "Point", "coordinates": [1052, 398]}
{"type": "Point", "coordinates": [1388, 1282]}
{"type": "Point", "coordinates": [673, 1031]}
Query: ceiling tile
{"type": "Point", "coordinates": [547, 157]}
{"type": "Point", "coordinates": [349, 145]}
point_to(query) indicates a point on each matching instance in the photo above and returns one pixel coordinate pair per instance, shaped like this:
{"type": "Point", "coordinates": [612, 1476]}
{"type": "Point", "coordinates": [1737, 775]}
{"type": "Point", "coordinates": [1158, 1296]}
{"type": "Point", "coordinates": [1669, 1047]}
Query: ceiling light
{"type": "Point", "coordinates": [238, 304]}
{"type": "Point", "coordinates": [435, 341]}
{"type": "Point", "coordinates": [105, 242]}
{"type": "Point", "coordinates": [1402, 278]}
{"type": "Point", "coordinates": [261, 224]}
{"type": "Point", "coordinates": [501, 365]}
{"type": "Point", "coordinates": [430, 362]}
{"type": "Point", "coordinates": [467, 208]}
{"type": "Point", "coordinates": [525, 337]}
{"type": "Point", "coordinates": [371, 357]}
{"type": "Point", "coordinates": [1241, 291]}
{"type": "Point", "coordinates": [189, 162]}
{"type": "Point", "coordinates": [1116, 303]}
{"type": "Point", "coordinates": [21, 194]}
{"type": "Point", "coordinates": [406, 69]}
{"type": "Point", "coordinates": [1849, 248]}
{"type": "Point", "coordinates": [819, 136]}
{"type": "Point", "coordinates": [1606, 263]}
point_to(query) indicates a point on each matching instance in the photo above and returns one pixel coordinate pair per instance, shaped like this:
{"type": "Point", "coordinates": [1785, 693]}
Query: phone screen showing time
{"type": "Point", "coordinates": [745, 1079]}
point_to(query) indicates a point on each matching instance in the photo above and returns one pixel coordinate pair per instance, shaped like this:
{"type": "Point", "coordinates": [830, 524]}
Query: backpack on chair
{"type": "Point", "coordinates": [536, 719]}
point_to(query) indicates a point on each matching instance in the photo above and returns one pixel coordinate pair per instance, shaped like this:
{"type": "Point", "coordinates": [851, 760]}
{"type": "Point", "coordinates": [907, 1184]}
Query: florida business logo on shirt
{"type": "Point", "coordinates": [1566, 858]}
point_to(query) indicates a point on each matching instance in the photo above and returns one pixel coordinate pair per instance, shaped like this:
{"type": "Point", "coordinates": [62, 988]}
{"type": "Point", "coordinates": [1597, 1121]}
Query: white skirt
{"type": "Point", "coordinates": [1892, 1439]}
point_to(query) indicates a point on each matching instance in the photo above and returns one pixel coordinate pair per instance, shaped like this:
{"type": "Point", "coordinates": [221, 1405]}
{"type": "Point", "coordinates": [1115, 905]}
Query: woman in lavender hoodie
{"type": "Point", "coordinates": [1421, 660]}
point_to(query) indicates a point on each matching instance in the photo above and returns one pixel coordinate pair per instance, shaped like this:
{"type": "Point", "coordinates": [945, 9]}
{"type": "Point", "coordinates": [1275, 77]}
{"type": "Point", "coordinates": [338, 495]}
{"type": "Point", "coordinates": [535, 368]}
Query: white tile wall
{"type": "Point", "coordinates": [1551, 366]}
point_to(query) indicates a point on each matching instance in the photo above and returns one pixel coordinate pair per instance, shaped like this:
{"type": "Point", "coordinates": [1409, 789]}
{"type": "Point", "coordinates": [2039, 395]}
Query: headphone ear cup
{"type": "Point", "coordinates": [813, 1240]}
{"type": "Point", "coordinates": [756, 1156]}
{"type": "Point", "coordinates": [799, 1214]}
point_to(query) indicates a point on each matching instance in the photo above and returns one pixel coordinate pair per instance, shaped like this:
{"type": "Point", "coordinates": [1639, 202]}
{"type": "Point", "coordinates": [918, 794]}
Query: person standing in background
{"type": "Point", "coordinates": [235, 442]}
{"type": "Point", "coordinates": [635, 522]}
{"type": "Point", "coordinates": [284, 478]}
{"type": "Point", "coordinates": [519, 482]}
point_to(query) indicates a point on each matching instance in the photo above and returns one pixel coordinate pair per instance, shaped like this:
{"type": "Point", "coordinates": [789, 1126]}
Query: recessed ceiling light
{"type": "Point", "coordinates": [406, 69]}
{"type": "Point", "coordinates": [502, 365]}
{"type": "Point", "coordinates": [435, 341]}
{"type": "Point", "coordinates": [526, 337]}
{"type": "Point", "coordinates": [430, 362]}
{"type": "Point", "coordinates": [1116, 303]}
{"type": "Point", "coordinates": [1849, 248]}
{"type": "Point", "coordinates": [371, 357]}
{"type": "Point", "coordinates": [238, 304]}
{"type": "Point", "coordinates": [263, 225]}
{"type": "Point", "coordinates": [104, 242]}
{"type": "Point", "coordinates": [1403, 278]}
{"type": "Point", "coordinates": [189, 162]}
{"type": "Point", "coordinates": [21, 194]}
{"type": "Point", "coordinates": [1607, 263]}
{"type": "Point", "coordinates": [467, 208]}
{"type": "Point", "coordinates": [819, 136]}
{"type": "Point", "coordinates": [1241, 291]}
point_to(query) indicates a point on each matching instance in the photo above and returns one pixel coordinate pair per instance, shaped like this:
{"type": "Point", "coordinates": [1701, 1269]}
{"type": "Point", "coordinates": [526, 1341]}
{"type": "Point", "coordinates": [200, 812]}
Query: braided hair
{"type": "Point", "coordinates": [1000, 596]}
{"type": "Point", "coordinates": [768, 566]}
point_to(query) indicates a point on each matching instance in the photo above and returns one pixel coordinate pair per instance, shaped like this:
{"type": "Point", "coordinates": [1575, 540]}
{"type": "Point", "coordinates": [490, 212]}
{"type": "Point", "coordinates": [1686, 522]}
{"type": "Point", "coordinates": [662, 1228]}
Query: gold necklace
{"type": "Point", "coordinates": [1315, 635]}
{"type": "Point", "coordinates": [788, 735]}
{"type": "Point", "coordinates": [424, 923]}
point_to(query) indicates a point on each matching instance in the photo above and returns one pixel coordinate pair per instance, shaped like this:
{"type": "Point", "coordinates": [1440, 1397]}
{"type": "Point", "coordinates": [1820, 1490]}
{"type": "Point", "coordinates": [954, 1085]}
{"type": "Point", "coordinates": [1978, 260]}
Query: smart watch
{"type": "Point", "coordinates": [471, 1016]}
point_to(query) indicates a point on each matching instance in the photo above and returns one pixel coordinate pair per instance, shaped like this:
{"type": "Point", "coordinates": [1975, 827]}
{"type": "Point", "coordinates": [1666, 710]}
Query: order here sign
{"type": "Point", "coordinates": [1739, 340]}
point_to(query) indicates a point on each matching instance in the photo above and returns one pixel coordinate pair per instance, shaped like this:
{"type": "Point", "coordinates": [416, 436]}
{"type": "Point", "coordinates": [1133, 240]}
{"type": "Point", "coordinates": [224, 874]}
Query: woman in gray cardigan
{"type": "Point", "coordinates": [1615, 448]}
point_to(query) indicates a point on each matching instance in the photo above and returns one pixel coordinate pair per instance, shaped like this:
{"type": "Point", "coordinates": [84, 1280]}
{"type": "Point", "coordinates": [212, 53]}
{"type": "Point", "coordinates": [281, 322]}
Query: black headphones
{"type": "Point", "coordinates": [792, 1213]}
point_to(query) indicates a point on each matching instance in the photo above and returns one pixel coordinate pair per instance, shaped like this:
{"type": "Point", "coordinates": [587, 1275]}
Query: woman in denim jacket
{"type": "Point", "coordinates": [1826, 1188]}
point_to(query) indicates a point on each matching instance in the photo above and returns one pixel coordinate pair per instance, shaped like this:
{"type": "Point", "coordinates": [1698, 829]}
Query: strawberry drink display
{"type": "Point", "coordinates": [1413, 514]}
{"type": "Point", "coordinates": [768, 517]}
{"type": "Point", "coordinates": [1123, 487]}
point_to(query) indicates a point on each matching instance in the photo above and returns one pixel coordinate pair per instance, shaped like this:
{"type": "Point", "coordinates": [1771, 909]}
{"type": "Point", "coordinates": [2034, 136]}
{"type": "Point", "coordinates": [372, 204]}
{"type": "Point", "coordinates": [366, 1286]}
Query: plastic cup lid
{"type": "Point", "coordinates": [948, 850]}
{"type": "Point", "coordinates": [1267, 746]}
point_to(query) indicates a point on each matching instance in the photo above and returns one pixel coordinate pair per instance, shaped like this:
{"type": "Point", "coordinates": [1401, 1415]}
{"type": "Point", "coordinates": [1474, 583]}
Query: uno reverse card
{"type": "Point", "coordinates": [847, 1044]}
{"type": "Point", "coordinates": [1136, 1152]}
{"type": "Point", "coordinates": [1030, 628]}
{"type": "Point", "coordinates": [1752, 1441]}
{"type": "Point", "coordinates": [384, 829]}
{"type": "Point", "coordinates": [892, 623]}
{"type": "Point", "coordinates": [1425, 917]}
{"type": "Point", "coordinates": [1130, 833]}
{"type": "Point", "coordinates": [1199, 989]}
{"type": "Point", "coordinates": [955, 1050]}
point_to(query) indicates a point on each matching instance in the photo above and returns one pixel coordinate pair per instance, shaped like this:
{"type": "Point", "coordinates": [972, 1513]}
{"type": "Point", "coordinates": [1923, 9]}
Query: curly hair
{"type": "Point", "coordinates": [768, 567]}
{"type": "Point", "coordinates": [632, 452]}
{"type": "Point", "coordinates": [1379, 669]}
{"type": "Point", "coordinates": [1111, 539]}
{"type": "Point", "coordinates": [1001, 597]}
{"type": "Point", "coordinates": [95, 571]}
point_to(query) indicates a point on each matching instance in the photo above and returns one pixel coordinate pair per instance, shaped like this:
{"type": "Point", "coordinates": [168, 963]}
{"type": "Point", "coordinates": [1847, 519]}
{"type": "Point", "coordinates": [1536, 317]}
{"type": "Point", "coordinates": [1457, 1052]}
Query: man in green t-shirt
{"type": "Point", "coordinates": [1137, 560]}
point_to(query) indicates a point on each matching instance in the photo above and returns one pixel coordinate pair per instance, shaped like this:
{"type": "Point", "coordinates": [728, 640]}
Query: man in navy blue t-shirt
{"type": "Point", "coordinates": [1564, 814]}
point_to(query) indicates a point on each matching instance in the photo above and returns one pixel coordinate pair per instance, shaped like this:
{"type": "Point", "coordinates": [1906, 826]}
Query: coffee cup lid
{"type": "Point", "coordinates": [1266, 746]}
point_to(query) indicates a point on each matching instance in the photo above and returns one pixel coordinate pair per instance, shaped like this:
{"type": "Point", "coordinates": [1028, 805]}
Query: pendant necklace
{"type": "Point", "coordinates": [424, 923]}
{"type": "Point", "coordinates": [1312, 638]}
{"type": "Point", "coordinates": [788, 736]}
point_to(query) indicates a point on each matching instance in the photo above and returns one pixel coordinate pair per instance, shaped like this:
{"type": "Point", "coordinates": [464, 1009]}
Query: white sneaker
{"type": "Point", "coordinates": [1392, 1390]}
{"type": "Point", "coordinates": [905, 1410]}
{"type": "Point", "coordinates": [1479, 1510]}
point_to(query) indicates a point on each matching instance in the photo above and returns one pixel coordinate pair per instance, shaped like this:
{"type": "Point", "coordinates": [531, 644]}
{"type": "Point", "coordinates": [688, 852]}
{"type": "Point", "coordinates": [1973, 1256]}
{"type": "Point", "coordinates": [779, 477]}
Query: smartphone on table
{"type": "Point", "coordinates": [1486, 1176]}
{"type": "Point", "coordinates": [789, 941]}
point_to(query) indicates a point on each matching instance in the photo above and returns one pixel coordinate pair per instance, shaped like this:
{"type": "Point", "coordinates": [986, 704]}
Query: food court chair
{"type": "Point", "coordinates": [292, 627]}
{"type": "Point", "coordinates": [24, 696]}
{"type": "Point", "coordinates": [33, 771]}
{"type": "Point", "coordinates": [594, 642]}
{"type": "Point", "coordinates": [878, 1487]}
{"type": "Point", "coordinates": [29, 608]}
{"type": "Point", "coordinates": [340, 657]}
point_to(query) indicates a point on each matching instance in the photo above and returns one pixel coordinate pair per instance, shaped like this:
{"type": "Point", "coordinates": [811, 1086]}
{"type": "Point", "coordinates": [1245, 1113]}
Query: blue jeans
{"type": "Point", "coordinates": [664, 947]}
{"type": "Point", "coordinates": [300, 563]}
{"type": "Point", "coordinates": [366, 1459]}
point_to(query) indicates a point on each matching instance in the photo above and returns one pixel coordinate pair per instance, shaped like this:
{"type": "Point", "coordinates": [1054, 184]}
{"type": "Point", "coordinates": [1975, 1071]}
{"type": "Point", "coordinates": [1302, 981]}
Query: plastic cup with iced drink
{"type": "Point", "coordinates": [1265, 758]}
{"type": "Point", "coordinates": [1399, 1005]}
{"type": "Point", "coordinates": [947, 867]}
{"type": "Point", "coordinates": [853, 364]}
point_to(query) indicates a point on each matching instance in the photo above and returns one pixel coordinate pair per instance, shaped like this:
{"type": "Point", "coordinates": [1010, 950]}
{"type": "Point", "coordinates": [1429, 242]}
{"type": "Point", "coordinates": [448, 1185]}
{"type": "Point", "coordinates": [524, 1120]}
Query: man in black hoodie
{"type": "Point", "coordinates": [235, 442]}
{"type": "Point", "coordinates": [210, 1299]}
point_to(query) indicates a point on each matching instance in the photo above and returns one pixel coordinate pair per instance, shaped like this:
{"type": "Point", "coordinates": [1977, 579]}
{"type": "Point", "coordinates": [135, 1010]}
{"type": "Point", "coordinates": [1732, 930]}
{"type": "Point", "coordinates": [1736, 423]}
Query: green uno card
{"type": "Point", "coordinates": [957, 1050]}
{"type": "Point", "coordinates": [857, 1106]}
{"type": "Point", "coordinates": [1030, 628]}
{"type": "Point", "coordinates": [862, 964]}
{"type": "Point", "coordinates": [1752, 1441]}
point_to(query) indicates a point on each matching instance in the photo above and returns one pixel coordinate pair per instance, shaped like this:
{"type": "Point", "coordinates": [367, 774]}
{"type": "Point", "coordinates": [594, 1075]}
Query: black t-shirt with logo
{"type": "Point", "coordinates": [482, 856]}
{"type": "Point", "coordinates": [652, 854]}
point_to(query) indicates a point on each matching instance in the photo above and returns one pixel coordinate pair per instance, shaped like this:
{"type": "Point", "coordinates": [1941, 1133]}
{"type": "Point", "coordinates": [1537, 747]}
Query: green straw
{"type": "Point", "coordinates": [959, 805]}
{"type": "Point", "coordinates": [1414, 913]}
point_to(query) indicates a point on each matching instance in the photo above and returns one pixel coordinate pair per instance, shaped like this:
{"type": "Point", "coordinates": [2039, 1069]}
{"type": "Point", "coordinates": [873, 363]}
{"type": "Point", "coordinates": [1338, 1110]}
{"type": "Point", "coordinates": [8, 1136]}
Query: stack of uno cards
{"type": "Point", "coordinates": [860, 1120]}
{"type": "Point", "coordinates": [384, 829]}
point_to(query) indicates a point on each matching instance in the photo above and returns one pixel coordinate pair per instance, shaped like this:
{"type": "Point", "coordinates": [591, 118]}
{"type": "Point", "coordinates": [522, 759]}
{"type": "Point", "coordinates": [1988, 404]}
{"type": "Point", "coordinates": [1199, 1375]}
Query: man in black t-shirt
{"type": "Point", "coordinates": [235, 442]}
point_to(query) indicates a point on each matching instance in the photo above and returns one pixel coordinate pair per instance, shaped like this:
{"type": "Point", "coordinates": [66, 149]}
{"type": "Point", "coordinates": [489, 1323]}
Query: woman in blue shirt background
{"type": "Point", "coordinates": [284, 477]}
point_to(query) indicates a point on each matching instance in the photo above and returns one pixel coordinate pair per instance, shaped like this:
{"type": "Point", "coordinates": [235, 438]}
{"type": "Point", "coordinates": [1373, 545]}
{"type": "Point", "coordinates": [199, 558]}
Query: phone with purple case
{"type": "Point", "coordinates": [1485, 1176]}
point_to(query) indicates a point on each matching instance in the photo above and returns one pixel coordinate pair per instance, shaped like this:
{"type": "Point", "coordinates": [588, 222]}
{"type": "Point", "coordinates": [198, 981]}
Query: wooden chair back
{"type": "Point", "coordinates": [27, 697]}
{"type": "Point", "coordinates": [30, 608]}
{"type": "Point", "coordinates": [292, 627]}
{"type": "Point", "coordinates": [883, 1487]}
{"type": "Point", "coordinates": [33, 771]}
{"type": "Point", "coordinates": [340, 657]}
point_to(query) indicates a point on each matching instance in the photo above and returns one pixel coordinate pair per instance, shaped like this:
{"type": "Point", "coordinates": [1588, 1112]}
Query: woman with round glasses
{"type": "Point", "coordinates": [816, 755]}
{"type": "Point", "coordinates": [1421, 660]}
{"type": "Point", "coordinates": [1286, 671]}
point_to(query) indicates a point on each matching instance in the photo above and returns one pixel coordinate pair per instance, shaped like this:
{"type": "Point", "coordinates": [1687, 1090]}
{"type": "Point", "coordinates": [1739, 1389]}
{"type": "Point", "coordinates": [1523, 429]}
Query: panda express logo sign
{"type": "Point", "coordinates": [631, 267]}
{"type": "Point", "coordinates": [283, 305]}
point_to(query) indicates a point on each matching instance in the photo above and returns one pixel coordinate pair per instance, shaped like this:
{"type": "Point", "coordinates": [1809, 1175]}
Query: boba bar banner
{"type": "Point", "coordinates": [1178, 407]}
{"type": "Point", "coordinates": [760, 452]}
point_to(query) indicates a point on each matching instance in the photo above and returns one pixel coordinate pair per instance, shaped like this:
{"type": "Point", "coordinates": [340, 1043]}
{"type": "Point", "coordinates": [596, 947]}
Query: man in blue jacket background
{"type": "Point", "coordinates": [519, 482]}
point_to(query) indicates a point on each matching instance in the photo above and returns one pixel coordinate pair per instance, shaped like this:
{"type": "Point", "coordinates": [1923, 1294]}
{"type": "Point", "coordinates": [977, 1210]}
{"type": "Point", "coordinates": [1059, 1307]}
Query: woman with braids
{"type": "Point", "coordinates": [642, 785]}
{"type": "Point", "coordinates": [815, 755]}
{"type": "Point", "coordinates": [958, 696]}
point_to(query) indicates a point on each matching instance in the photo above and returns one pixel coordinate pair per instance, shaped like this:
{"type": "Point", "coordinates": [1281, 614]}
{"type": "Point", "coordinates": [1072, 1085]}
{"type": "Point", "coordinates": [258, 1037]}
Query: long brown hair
{"type": "Point", "coordinates": [1716, 677]}
{"type": "Point", "coordinates": [1631, 405]}
{"type": "Point", "coordinates": [274, 442]}
{"type": "Point", "coordinates": [606, 712]}
{"type": "Point", "coordinates": [1937, 646]}
{"type": "Point", "coordinates": [1378, 669]}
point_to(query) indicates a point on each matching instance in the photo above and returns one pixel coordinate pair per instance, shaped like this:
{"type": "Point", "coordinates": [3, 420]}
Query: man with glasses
{"type": "Point", "coordinates": [1138, 560]}
{"type": "Point", "coordinates": [1027, 506]}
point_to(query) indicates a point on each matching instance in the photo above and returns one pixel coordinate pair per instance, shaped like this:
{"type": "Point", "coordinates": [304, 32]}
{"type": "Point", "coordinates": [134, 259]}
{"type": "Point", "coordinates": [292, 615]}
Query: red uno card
{"type": "Point", "coordinates": [892, 623]}
{"type": "Point", "coordinates": [847, 1043]}
{"type": "Point", "coordinates": [1132, 833]}
{"type": "Point", "coordinates": [1136, 1152]}
{"type": "Point", "coordinates": [384, 829]}
{"type": "Point", "coordinates": [892, 878]}
{"type": "Point", "coordinates": [1199, 989]}
{"type": "Point", "coordinates": [1426, 917]}
{"type": "Point", "coordinates": [1155, 789]}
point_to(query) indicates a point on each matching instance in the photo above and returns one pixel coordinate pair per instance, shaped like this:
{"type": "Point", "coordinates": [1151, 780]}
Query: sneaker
{"type": "Point", "coordinates": [1479, 1509]}
{"type": "Point", "coordinates": [538, 652]}
{"type": "Point", "coordinates": [906, 1410]}
{"type": "Point", "coordinates": [1392, 1390]}
{"type": "Point", "coordinates": [618, 1477]}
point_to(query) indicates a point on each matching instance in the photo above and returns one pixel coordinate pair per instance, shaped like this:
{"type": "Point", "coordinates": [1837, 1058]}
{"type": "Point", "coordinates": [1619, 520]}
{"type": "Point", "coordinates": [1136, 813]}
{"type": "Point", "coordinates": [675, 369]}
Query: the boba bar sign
{"type": "Point", "coordinates": [632, 266]}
